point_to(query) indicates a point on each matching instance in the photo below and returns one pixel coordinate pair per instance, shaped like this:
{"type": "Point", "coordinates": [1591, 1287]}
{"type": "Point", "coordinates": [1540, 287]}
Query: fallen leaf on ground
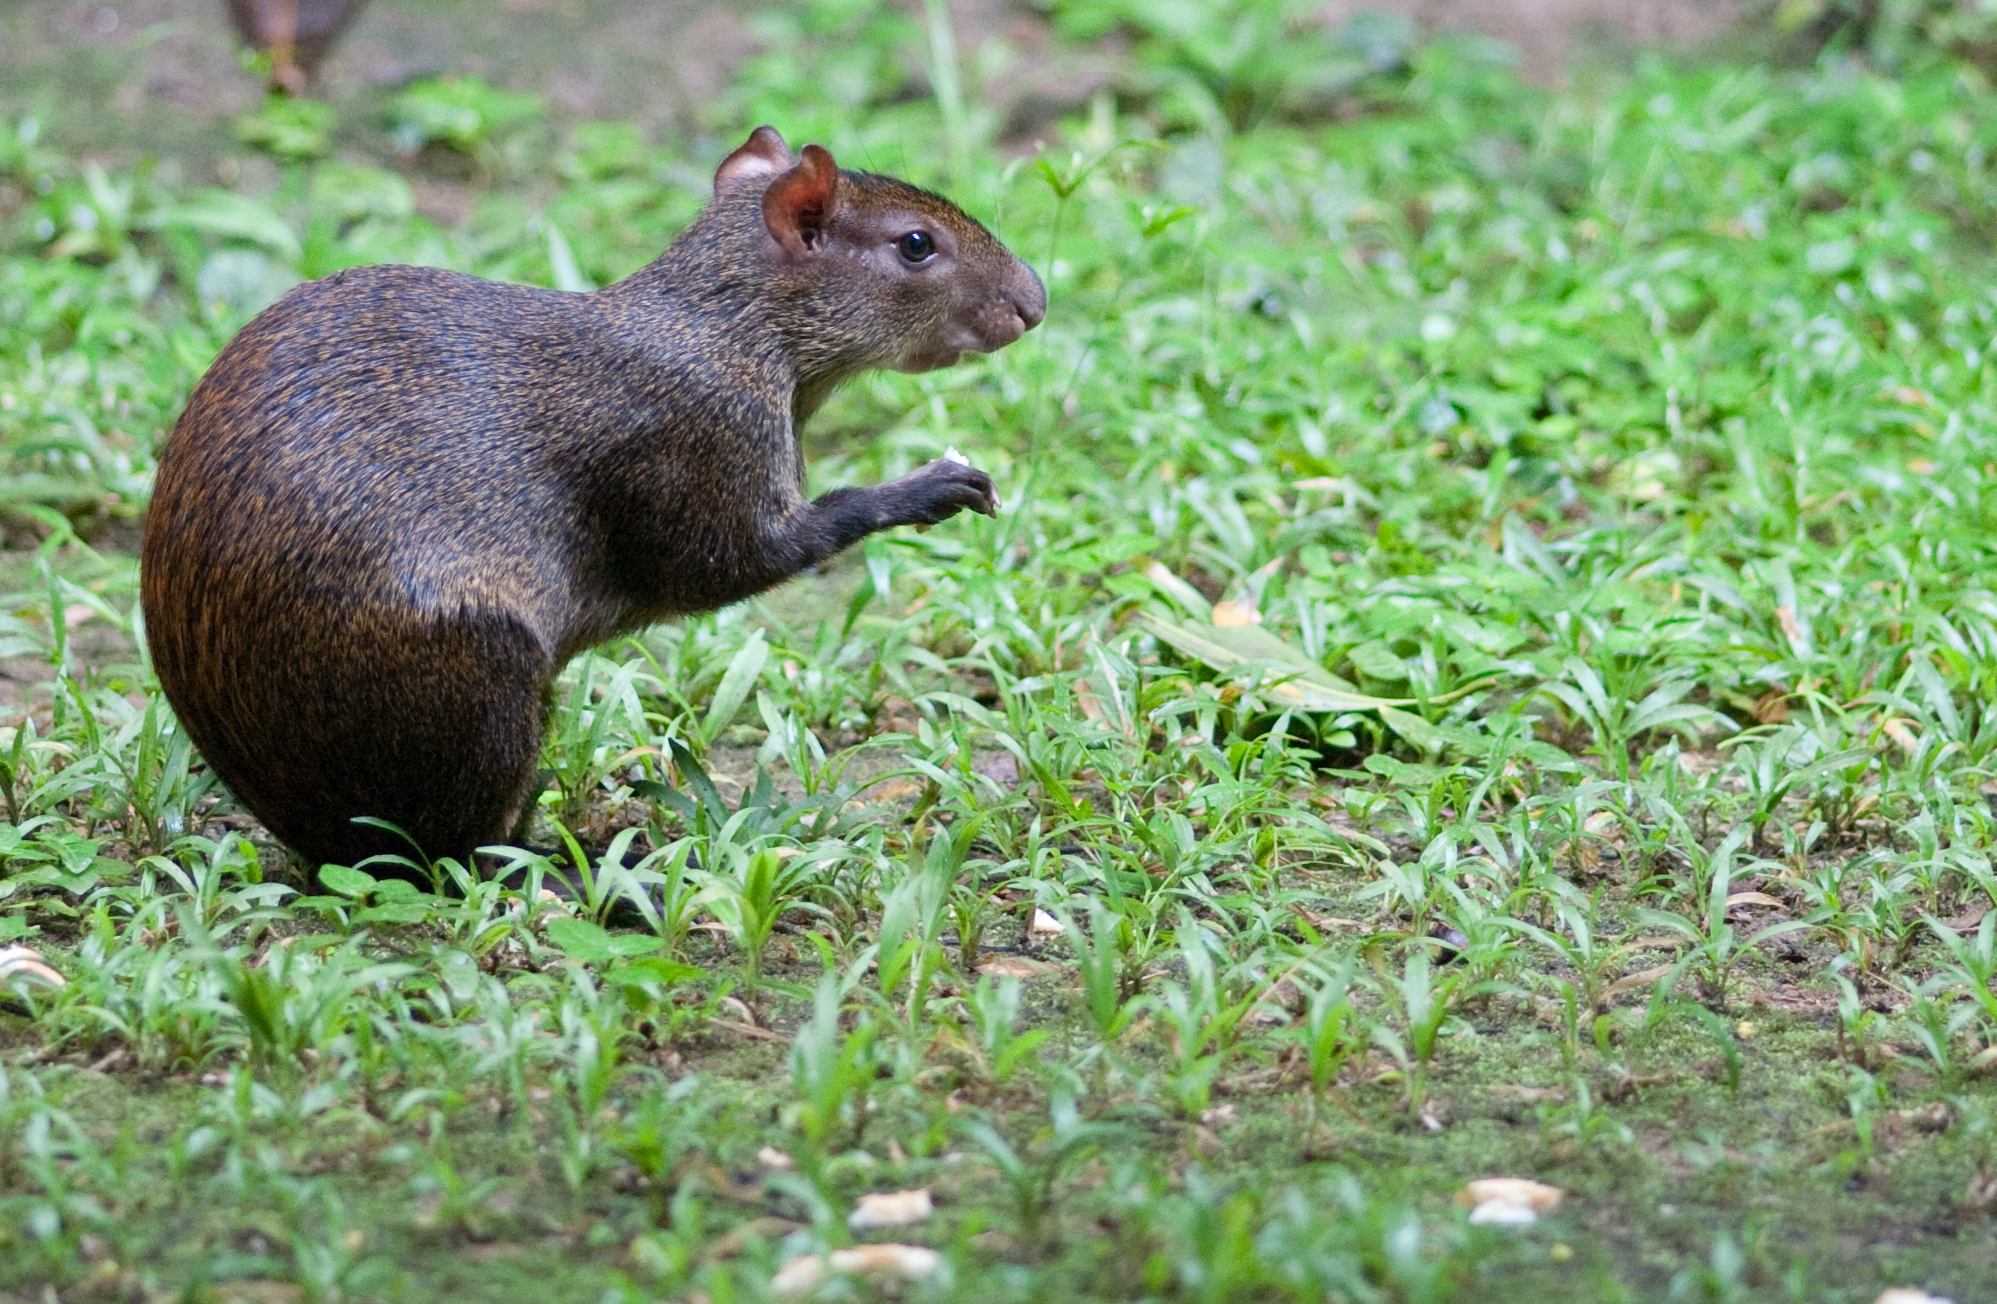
{"type": "Point", "coordinates": [494, 1251]}
{"type": "Point", "coordinates": [907, 1262]}
{"type": "Point", "coordinates": [1981, 1193]}
{"type": "Point", "coordinates": [259, 1292]}
{"type": "Point", "coordinates": [749, 1030]}
{"type": "Point", "coordinates": [25, 963]}
{"type": "Point", "coordinates": [1016, 966]}
{"type": "Point", "coordinates": [891, 1209]}
{"type": "Point", "coordinates": [1508, 1201]}
{"type": "Point", "coordinates": [886, 791]}
{"type": "Point", "coordinates": [1628, 982]}
{"type": "Point", "coordinates": [731, 1243]}
{"type": "Point", "coordinates": [1968, 919]}
{"type": "Point", "coordinates": [1233, 615]}
{"type": "Point", "coordinates": [1529, 1095]}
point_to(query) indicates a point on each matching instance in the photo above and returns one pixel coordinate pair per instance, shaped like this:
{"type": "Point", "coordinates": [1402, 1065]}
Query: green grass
{"type": "Point", "coordinates": [1639, 439]}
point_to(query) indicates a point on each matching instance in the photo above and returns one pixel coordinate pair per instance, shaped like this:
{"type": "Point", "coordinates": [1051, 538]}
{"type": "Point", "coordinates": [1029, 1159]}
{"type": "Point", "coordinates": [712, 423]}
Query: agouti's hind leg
{"type": "Point", "coordinates": [444, 747]}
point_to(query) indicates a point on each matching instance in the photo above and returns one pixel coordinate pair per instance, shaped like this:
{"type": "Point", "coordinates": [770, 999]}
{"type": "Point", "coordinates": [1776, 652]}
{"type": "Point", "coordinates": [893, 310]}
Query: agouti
{"type": "Point", "coordinates": [403, 498]}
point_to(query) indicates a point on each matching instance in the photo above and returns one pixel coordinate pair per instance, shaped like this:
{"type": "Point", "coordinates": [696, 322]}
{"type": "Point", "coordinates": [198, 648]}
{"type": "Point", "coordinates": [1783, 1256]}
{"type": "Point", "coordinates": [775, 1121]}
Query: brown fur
{"type": "Point", "coordinates": [403, 498]}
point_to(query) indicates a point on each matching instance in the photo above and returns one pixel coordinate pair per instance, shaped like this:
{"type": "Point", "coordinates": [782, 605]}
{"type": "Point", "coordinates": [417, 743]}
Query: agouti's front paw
{"type": "Point", "coordinates": [941, 489]}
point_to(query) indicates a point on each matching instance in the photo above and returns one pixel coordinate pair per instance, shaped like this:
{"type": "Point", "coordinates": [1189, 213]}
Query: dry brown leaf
{"type": "Point", "coordinates": [1537, 1196]}
{"type": "Point", "coordinates": [1229, 614]}
{"type": "Point", "coordinates": [1901, 731]}
{"type": "Point", "coordinates": [493, 1251]}
{"type": "Point", "coordinates": [1017, 966]}
{"type": "Point", "coordinates": [25, 963]}
{"type": "Point", "coordinates": [732, 1242]}
{"type": "Point", "coordinates": [1981, 1193]}
{"type": "Point", "coordinates": [891, 790]}
{"type": "Point", "coordinates": [905, 1262]}
{"type": "Point", "coordinates": [259, 1292]}
{"type": "Point", "coordinates": [1527, 1095]}
{"type": "Point", "coordinates": [1629, 982]}
{"type": "Point", "coordinates": [1969, 918]}
{"type": "Point", "coordinates": [1791, 630]}
{"type": "Point", "coordinates": [1508, 1201]}
{"type": "Point", "coordinates": [1772, 707]}
{"type": "Point", "coordinates": [890, 1209]}
{"type": "Point", "coordinates": [1754, 899]}
{"type": "Point", "coordinates": [749, 1030]}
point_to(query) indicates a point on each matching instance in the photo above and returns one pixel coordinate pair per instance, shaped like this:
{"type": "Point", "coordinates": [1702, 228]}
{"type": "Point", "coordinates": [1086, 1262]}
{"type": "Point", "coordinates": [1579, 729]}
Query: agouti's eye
{"type": "Point", "coordinates": [917, 247]}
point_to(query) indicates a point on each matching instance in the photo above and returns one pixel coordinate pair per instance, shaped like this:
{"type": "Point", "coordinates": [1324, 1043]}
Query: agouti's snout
{"type": "Point", "coordinates": [1021, 309]}
{"type": "Point", "coordinates": [1018, 307]}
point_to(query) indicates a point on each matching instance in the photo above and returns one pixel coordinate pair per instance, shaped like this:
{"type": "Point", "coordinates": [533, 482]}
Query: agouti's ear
{"type": "Point", "coordinates": [799, 204]}
{"type": "Point", "coordinates": [763, 156]}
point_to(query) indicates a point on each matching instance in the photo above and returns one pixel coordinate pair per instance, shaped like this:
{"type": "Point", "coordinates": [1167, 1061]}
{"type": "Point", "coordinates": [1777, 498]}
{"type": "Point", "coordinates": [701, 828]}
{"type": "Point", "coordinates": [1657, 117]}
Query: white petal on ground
{"type": "Point", "coordinates": [1499, 1213]}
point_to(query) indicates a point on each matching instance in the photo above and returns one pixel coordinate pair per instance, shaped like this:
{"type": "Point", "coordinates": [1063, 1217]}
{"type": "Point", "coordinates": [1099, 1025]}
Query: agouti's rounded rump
{"type": "Point", "coordinates": [403, 498]}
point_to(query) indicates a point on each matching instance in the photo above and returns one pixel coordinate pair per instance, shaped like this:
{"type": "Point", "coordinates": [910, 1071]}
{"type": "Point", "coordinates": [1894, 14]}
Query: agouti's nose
{"type": "Point", "coordinates": [1029, 297]}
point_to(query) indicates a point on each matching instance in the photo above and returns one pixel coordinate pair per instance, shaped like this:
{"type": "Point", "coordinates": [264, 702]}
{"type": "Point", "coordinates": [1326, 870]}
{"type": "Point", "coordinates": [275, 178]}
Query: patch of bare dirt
{"type": "Point", "coordinates": [1552, 35]}
{"type": "Point", "coordinates": [125, 78]}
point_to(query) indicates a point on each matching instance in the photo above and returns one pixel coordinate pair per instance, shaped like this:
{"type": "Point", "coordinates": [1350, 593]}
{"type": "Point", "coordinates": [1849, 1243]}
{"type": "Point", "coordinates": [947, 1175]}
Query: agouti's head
{"type": "Point", "coordinates": [879, 272]}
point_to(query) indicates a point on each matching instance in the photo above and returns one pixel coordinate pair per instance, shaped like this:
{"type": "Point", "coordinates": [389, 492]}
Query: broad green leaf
{"type": "Point", "coordinates": [347, 882]}
{"type": "Point", "coordinates": [1313, 688]}
{"type": "Point", "coordinates": [591, 944]}
{"type": "Point", "coordinates": [231, 216]}
{"type": "Point", "coordinates": [736, 686]}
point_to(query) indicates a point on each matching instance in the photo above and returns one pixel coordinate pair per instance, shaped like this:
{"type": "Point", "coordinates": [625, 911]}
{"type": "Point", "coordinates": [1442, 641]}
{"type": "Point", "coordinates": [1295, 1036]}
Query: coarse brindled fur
{"type": "Point", "coordinates": [403, 498]}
